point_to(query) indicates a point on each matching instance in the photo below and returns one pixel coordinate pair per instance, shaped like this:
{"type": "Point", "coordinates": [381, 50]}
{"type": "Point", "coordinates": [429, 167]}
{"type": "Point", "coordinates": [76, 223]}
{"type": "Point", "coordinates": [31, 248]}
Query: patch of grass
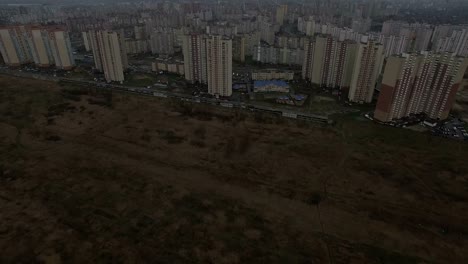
{"type": "Point", "coordinates": [386, 257]}
{"type": "Point", "coordinates": [170, 136]}
{"type": "Point", "coordinates": [141, 80]}
{"type": "Point", "coordinates": [198, 143]}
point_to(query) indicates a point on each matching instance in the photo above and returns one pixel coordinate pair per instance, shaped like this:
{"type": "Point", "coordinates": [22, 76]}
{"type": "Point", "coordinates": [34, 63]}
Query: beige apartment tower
{"type": "Point", "coordinates": [13, 46]}
{"type": "Point", "coordinates": [419, 83]}
{"type": "Point", "coordinates": [60, 47]}
{"type": "Point", "coordinates": [329, 62]}
{"type": "Point", "coordinates": [86, 41]}
{"type": "Point", "coordinates": [208, 60]}
{"type": "Point", "coordinates": [219, 65]}
{"type": "Point", "coordinates": [194, 50]}
{"type": "Point", "coordinates": [238, 48]}
{"type": "Point", "coordinates": [38, 41]}
{"type": "Point", "coordinates": [109, 53]}
{"type": "Point", "coordinates": [44, 46]}
{"type": "Point", "coordinates": [281, 12]}
{"type": "Point", "coordinates": [367, 68]}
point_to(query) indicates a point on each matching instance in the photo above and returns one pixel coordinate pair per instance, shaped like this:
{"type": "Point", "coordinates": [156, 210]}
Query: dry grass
{"type": "Point", "coordinates": [145, 180]}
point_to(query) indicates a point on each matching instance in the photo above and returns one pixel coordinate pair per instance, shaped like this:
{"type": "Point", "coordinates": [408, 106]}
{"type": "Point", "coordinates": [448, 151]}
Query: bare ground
{"type": "Point", "coordinates": [87, 177]}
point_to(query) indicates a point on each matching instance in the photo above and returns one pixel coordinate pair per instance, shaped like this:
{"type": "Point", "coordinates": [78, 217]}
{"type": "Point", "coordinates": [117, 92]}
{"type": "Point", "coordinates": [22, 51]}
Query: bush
{"type": "Point", "coordinates": [244, 143]}
{"type": "Point", "coordinates": [53, 138]}
{"type": "Point", "coordinates": [198, 143]}
{"type": "Point", "coordinates": [170, 137]}
{"type": "Point", "coordinates": [146, 137]}
{"type": "Point", "coordinates": [314, 199]}
{"type": "Point", "coordinates": [200, 132]}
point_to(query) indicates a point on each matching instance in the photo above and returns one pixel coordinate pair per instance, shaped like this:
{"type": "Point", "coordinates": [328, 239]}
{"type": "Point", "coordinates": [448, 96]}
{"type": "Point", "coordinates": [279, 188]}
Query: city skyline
{"type": "Point", "coordinates": [232, 132]}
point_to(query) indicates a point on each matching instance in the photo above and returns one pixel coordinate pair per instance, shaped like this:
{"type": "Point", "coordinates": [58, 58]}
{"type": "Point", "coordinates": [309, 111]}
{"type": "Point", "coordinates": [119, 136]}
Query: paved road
{"type": "Point", "coordinates": [183, 97]}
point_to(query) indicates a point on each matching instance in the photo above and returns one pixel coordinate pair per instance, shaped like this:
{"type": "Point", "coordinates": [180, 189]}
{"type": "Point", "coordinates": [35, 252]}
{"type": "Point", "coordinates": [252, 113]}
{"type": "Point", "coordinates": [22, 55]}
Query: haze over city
{"type": "Point", "coordinates": [305, 131]}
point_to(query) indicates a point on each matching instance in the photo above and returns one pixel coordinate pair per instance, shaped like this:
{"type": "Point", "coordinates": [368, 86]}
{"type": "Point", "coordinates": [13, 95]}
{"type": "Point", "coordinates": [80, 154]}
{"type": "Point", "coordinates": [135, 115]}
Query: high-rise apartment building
{"type": "Point", "coordinates": [417, 35]}
{"type": "Point", "coordinates": [134, 46]}
{"type": "Point", "coordinates": [367, 68]}
{"type": "Point", "coordinates": [162, 42]}
{"type": "Point", "coordinates": [194, 50]}
{"type": "Point", "coordinates": [267, 32]}
{"type": "Point", "coordinates": [110, 55]}
{"type": "Point", "coordinates": [13, 46]}
{"type": "Point", "coordinates": [42, 45]}
{"type": "Point", "coordinates": [251, 40]}
{"type": "Point", "coordinates": [281, 12]}
{"type": "Point", "coordinates": [238, 48]}
{"type": "Point", "coordinates": [208, 60]}
{"type": "Point", "coordinates": [219, 65]}
{"type": "Point", "coordinates": [86, 41]}
{"type": "Point", "coordinates": [394, 45]}
{"type": "Point", "coordinates": [273, 55]}
{"type": "Point", "coordinates": [94, 46]}
{"type": "Point", "coordinates": [38, 40]}
{"type": "Point", "coordinates": [329, 62]}
{"type": "Point", "coordinates": [419, 83]}
{"type": "Point", "coordinates": [306, 26]}
{"type": "Point", "coordinates": [361, 25]}
{"type": "Point", "coordinates": [61, 48]}
{"type": "Point", "coordinates": [140, 32]}
{"type": "Point", "coordinates": [455, 42]}
{"type": "Point", "coordinates": [422, 36]}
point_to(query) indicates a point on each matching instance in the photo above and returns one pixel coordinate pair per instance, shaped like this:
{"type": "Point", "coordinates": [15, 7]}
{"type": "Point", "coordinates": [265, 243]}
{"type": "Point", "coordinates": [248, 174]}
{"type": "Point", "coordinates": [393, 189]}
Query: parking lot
{"type": "Point", "coordinates": [454, 129]}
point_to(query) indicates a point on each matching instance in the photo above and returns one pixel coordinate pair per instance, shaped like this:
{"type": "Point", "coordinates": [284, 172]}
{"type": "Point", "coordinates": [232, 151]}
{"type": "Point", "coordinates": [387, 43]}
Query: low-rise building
{"type": "Point", "coordinates": [171, 66]}
{"type": "Point", "coordinates": [272, 74]}
{"type": "Point", "coordinates": [271, 86]}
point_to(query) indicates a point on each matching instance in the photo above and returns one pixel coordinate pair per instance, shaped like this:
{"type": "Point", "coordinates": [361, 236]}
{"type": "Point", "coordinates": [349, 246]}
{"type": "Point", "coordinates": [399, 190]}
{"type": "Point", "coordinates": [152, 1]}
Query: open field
{"type": "Point", "coordinates": [142, 80]}
{"type": "Point", "coordinates": [116, 178]}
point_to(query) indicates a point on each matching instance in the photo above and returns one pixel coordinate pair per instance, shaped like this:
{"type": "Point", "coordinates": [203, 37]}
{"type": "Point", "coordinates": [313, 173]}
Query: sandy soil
{"type": "Point", "coordinates": [87, 177]}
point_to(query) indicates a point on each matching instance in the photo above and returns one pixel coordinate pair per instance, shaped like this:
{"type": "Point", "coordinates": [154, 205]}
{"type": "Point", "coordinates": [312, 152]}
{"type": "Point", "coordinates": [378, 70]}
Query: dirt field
{"type": "Point", "coordinates": [115, 178]}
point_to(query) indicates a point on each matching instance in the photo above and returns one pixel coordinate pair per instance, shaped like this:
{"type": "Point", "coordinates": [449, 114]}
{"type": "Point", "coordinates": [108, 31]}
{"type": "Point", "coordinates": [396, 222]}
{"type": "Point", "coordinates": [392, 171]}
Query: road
{"type": "Point", "coordinates": [167, 94]}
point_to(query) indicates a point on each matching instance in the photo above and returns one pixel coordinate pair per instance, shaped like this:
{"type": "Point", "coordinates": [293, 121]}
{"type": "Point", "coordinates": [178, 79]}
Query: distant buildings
{"type": "Point", "coordinates": [452, 39]}
{"type": "Point", "coordinates": [171, 66]}
{"type": "Point", "coordinates": [135, 46]}
{"type": "Point", "coordinates": [361, 25]}
{"type": "Point", "coordinates": [267, 32]}
{"type": "Point", "coordinates": [139, 32]}
{"type": "Point", "coordinates": [419, 83]}
{"type": "Point", "coordinates": [238, 48]}
{"type": "Point", "coordinates": [44, 46]}
{"type": "Point", "coordinates": [274, 55]}
{"type": "Point", "coordinates": [222, 29]}
{"type": "Point", "coordinates": [281, 12]}
{"type": "Point", "coordinates": [86, 41]}
{"type": "Point", "coordinates": [272, 74]}
{"type": "Point", "coordinates": [417, 35]}
{"type": "Point", "coordinates": [162, 42]}
{"type": "Point", "coordinates": [310, 27]}
{"type": "Point", "coordinates": [251, 41]}
{"type": "Point", "coordinates": [292, 42]}
{"type": "Point", "coordinates": [306, 26]}
{"type": "Point", "coordinates": [109, 52]}
{"type": "Point", "coordinates": [394, 45]}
